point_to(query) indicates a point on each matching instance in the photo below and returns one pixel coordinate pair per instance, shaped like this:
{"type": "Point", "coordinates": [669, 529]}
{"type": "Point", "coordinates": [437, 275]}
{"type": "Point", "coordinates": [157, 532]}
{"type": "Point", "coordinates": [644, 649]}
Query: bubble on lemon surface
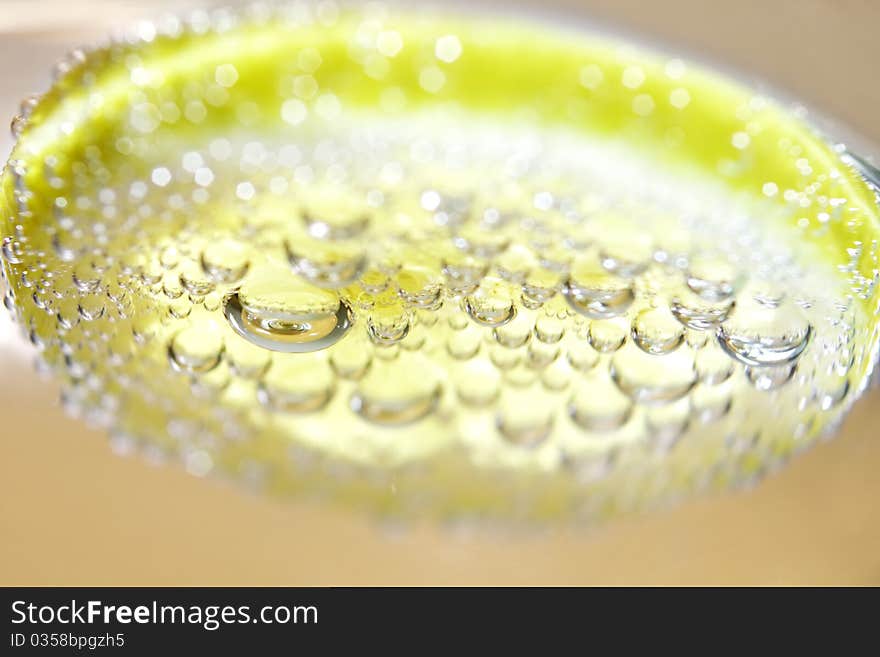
{"type": "Point", "coordinates": [196, 348]}
{"type": "Point", "coordinates": [525, 419]}
{"type": "Point", "coordinates": [194, 280]}
{"type": "Point", "coordinates": [712, 276]}
{"type": "Point", "coordinates": [770, 377]}
{"type": "Point", "coordinates": [351, 358]}
{"type": "Point", "coordinates": [327, 264]}
{"type": "Point", "coordinates": [759, 335]}
{"type": "Point", "coordinates": [477, 383]}
{"type": "Point", "coordinates": [334, 212]}
{"type": "Point", "coordinates": [697, 312]}
{"type": "Point", "coordinates": [656, 331]}
{"type": "Point", "coordinates": [713, 365]}
{"type": "Point", "coordinates": [492, 304]}
{"type": "Point", "coordinates": [668, 422]}
{"type": "Point", "coordinates": [464, 272]}
{"type": "Point", "coordinates": [419, 286]}
{"type": "Point", "coordinates": [711, 402]}
{"type": "Point", "coordinates": [465, 343]}
{"type": "Point", "coordinates": [388, 323]}
{"type": "Point", "coordinates": [247, 360]}
{"type": "Point", "coordinates": [297, 383]}
{"type": "Point", "coordinates": [549, 329]}
{"type": "Point", "coordinates": [539, 286]}
{"type": "Point", "coordinates": [399, 393]}
{"type": "Point", "coordinates": [607, 335]}
{"type": "Point", "coordinates": [652, 378]}
{"type": "Point", "coordinates": [597, 405]}
{"type": "Point", "coordinates": [596, 293]}
{"type": "Point", "coordinates": [225, 260]}
{"type": "Point", "coordinates": [280, 311]}
{"type": "Point", "coordinates": [625, 251]}
{"type": "Point", "coordinates": [514, 333]}
{"type": "Point", "coordinates": [580, 354]}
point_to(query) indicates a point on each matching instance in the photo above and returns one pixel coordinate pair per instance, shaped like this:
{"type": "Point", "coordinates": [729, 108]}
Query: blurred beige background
{"type": "Point", "coordinates": [73, 513]}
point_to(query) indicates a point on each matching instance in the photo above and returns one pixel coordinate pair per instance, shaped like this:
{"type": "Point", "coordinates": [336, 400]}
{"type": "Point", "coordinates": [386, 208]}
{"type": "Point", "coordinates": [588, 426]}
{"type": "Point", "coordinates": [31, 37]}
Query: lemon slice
{"type": "Point", "coordinates": [438, 265]}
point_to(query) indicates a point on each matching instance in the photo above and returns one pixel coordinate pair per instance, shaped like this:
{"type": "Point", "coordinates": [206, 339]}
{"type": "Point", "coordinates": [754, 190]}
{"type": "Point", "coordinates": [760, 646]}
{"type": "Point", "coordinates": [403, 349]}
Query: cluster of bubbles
{"type": "Point", "coordinates": [433, 299]}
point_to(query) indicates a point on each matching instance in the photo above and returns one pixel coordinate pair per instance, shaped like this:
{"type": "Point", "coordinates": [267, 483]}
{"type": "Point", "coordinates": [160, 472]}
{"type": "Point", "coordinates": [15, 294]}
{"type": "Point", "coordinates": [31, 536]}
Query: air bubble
{"type": "Point", "coordinates": [580, 354]}
{"type": "Point", "coordinates": [760, 336]}
{"type": "Point", "coordinates": [480, 243]}
{"type": "Point", "coordinates": [91, 308]}
{"type": "Point", "coordinates": [711, 402]}
{"type": "Point", "coordinates": [464, 272]}
{"type": "Point", "coordinates": [607, 335]}
{"type": "Point", "coordinates": [765, 293]}
{"type": "Point", "coordinates": [557, 375]}
{"type": "Point", "coordinates": [464, 344]}
{"type": "Point", "coordinates": [351, 358]}
{"type": "Point", "coordinates": [712, 277]}
{"type": "Point", "coordinates": [626, 255]}
{"type": "Point", "coordinates": [246, 359]}
{"type": "Point", "coordinates": [667, 423]}
{"type": "Point", "coordinates": [85, 278]}
{"type": "Point", "coordinates": [594, 292]}
{"type": "Point", "coordinates": [331, 265]}
{"type": "Point", "coordinates": [514, 333]}
{"type": "Point", "coordinates": [225, 261]}
{"type": "Point", "coordinates": [373, 281]}
{"type": "Point", "coordinates": [420, 287]}
{"type": "Point", "coordinates": [549, 329]}
{"type": "Point", "coordinates": [297, 383]}
{"type": "Point", "coordinates": [524, 419]}
{"type": "Point", "coordinates": [491, 304]}
{"type": "Point", "coordinates": [697, 313]}
{"type": "Point", "coordinates": [540, 354]}
{"type": "Point", "coordinates": [11, 251]}
{"type": "Point", "coordinates": [515, 263]}
{"type": "Point", "coordinates": [399, 393]}
{"type": "Point", "coordinates": [194, 279]}
{"type": "Point", "coordinates": [597, 405]}
{"type": "Point", "coordinates": [388, 324]}
{"type": "Point", "coordinates": [477, 383]}
{"type": "Point", "coordinates": [772, 377]}
{"type": "Point", "coordinates": [653, 378]}
{"type": "Point", "coordinates": [831, 391]}
{"type": "Point", "coordinates": [334, 213]}
{"type": "Point", "coordinates": [656, 331]}
{"type": "Point", "coordinates": [277, 311]}
{"type": "Point", "coordinates": [540, 285]}
{"type": "Point", "coordinates": [196, 349]}
{"type": "Point", "coordinates": [504, 358]}
{"type": "Point", "coordinates": [713, 365]}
